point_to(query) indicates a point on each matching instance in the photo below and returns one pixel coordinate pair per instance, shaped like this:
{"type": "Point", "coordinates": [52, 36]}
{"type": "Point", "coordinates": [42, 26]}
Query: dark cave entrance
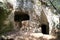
{"type": "Point", "coordinates": [21, 17]}
{"type": "Point", "coordinates": [45, 29]}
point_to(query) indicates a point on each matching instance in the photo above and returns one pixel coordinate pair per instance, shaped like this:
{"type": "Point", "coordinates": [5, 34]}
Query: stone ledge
{"type": "Point", "coordinates": [44, 36]}
{"type": "Point", "coordinates": [31, 36]}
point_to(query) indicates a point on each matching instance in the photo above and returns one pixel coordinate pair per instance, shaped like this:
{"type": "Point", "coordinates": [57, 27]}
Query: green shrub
{"type": "Point", "coordinates": [4, 13]}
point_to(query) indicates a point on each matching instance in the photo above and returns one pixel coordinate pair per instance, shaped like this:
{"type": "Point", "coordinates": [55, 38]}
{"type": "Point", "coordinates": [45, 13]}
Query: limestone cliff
{"type": "Point", "coordinates": [34, 17]}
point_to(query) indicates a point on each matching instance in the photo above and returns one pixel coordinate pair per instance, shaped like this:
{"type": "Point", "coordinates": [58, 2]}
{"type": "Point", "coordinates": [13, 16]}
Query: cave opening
{"type": "Point", "coordinates": [45, 29]}
{"type": "Point", "coordinates": [21, 17]}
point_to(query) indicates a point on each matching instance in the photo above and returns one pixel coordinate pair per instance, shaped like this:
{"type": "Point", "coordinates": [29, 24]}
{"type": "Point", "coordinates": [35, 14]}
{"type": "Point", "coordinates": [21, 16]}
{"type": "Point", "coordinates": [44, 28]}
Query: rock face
{"type": "Point", "coordinates": [32, 9]}
{"type": "Point", "coordinates": [34, 18]}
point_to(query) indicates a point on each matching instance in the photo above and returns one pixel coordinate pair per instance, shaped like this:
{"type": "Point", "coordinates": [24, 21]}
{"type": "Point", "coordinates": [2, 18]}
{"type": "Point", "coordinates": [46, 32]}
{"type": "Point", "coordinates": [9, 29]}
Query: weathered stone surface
{"type": "Point", "coordinates": [31, 36]}
{"type": "Point", "coordinates": [39, 14]}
